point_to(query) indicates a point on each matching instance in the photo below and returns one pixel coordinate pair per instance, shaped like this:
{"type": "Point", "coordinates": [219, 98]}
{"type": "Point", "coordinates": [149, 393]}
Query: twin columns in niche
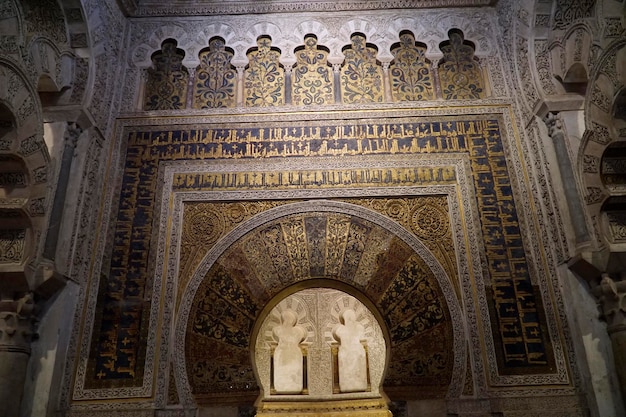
{"type": "Point", "coordinates": [320, 344]}
{"type": "Point", "coordinates": [349, 357]}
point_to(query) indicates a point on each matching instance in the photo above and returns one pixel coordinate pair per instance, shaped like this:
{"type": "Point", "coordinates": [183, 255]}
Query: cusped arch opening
{"type": "Point", "coordinates": [575, 79]}
{"type": "Point", "coordinates": [295, 245]}
{"type": "Point", "coordinates": [7, 121]}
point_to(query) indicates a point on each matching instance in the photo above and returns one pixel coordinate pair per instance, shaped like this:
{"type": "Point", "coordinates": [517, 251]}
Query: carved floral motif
{"type": "Point", "coordinates": [215, 78]}
{"type": "Point", "coordinates": [312, 77]}
{"type": "Point", "coordinates": [411, 79]}
{"type": "Point", "coordinates": [459, 72]}
{"type": "Point", "coordinates": [361, 75]}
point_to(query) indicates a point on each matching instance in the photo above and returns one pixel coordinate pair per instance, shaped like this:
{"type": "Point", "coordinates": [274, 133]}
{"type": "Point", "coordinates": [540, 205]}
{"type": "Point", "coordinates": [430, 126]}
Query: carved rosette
{"type": "Point", "coordinates": [16, 324]}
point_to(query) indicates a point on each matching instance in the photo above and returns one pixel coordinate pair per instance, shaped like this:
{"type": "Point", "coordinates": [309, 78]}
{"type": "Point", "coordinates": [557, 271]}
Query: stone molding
{"type": "Point", "coordinates": [212, 7]}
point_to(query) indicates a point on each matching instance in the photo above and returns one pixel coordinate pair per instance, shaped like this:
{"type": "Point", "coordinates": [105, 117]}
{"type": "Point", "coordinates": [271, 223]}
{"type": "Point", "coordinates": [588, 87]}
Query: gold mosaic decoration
{"type": "Point", "coordinates": [428, 219]}
{"type": "Point", "coordinates": [117, 353]}
{"type": "Point", "coordinates": [459, 73]}
{"type": "Point", "coordinates": [303, 246]}
{"type": "Point", "coordinates": [204, 223]}
{"type": "Point", "coordinates": [166, 88]}
{"type": "Point", "coordinates": [410, 75]}
{"type": "Point", "coordinates": [312, 77]}
{"type": "Point", "coordinates": [361, 74]}
{"type": "Point", "coordinates": [264, 76]}
{"type": "Point", "coordinates": [215, 79]}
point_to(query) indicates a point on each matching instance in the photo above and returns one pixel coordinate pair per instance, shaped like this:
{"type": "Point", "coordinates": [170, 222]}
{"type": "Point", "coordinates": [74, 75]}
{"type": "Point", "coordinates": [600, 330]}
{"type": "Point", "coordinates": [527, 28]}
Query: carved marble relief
{"type": "Point", "coordinates": [166, 88]}
{"type": "Point", "coordinates": [568, 11]}
{"type": "Point", "coordinates": [341, 339]}
{"type": "Point", "coordinates": [361, 73]}
{"type": "Point", "coordinates": [287, 359]}
{"type": "Point", "coordinates": [264, 76]}
{"type": "Point", "coordinates": [215, 78]}
{"type": "Point", "coordinates": [352, 361]}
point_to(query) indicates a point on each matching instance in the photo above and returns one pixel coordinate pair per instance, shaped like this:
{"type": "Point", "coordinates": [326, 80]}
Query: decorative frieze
{"type": "Point", "coordinates": [12, 244]}
{"type": "Point", "coordinates": [594, 195]}
{"type": "Point", "coordinates": [568, 11]}
{"type": "Point", "coordinates": [617, 226]}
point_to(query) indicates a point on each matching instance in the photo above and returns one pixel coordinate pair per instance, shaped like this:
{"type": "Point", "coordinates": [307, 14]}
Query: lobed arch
{"type": "Point", "coordinates": [267, 29]}
{"type": "Point", "coordinates": [269, 89]}
{"type": "Point", "coordinates": [140, 55]}
{"type": "Point", "coordinates": [313, 27]}
{"type": "Point", "coordinates": [25, 168]}
{"type": "Point", "coordinates": [571, 53]}
{"type": "Point", "coordinates": [215, 259]}
{"type": "Point", "coordinates": [605, 130]}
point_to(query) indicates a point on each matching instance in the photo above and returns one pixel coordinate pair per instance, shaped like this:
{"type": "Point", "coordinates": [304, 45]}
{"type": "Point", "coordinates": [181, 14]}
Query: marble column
{"type": "Point", "coordinates": [72, 133]}
{"type": "Point", "coordinates": [612, 299]}
{"type": "Point", "coordinates": [559, 139]}
{"type": "Point", "coordinates": [16, 332]}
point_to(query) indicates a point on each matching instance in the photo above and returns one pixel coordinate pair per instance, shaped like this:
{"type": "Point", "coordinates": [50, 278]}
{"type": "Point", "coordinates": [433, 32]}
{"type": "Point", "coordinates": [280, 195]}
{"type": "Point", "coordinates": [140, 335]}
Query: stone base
{"type": "Point", "coordinates": [344, 408]}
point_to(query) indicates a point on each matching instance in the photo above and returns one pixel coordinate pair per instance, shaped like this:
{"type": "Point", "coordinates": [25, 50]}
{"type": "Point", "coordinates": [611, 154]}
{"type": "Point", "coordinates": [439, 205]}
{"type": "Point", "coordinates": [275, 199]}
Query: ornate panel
{"type": "Point", "coordinates": [166, 88]}
{"type": "Point", "coordinates": [361, 75]}
{"type": "Point", "coordinates": [312, 81]}
{"type": "Point", "coordinates": [568, 12]}
{"type": "Point", "coordinates": [410, 71]}
{"type": "Point", "coordinates": [264, 76]}
{"type": "Point", "coordinates": [215, 78]}
{"type": "Point", "coordinates": [12, 245]}
{"type": "Point", "coordinates": [459, 72]}
{"type": "Point", "coordinates": [521, 340]}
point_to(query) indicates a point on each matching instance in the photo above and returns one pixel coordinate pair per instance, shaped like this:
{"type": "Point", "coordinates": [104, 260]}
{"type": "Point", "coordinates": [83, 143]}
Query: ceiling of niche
{"type": "Point", "coordinates": [219, 7]}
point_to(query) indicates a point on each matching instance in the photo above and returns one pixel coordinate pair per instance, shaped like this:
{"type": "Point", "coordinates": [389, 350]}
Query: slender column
{"type": "Point", "coordinates": [16, 332]}
{"type": "Point", "coordinates": [288, 81]}
{"type": "Point", "coordinates": [240, 84]}
{"type": "Point", "coordinates": [337, 81]}
{"type": "Point", "coordinates": [190, 87]}
{"type": "Point", "coordinates": [72, 133]}
{"type": "Point", "coordinates": [387, 82]}
{"type": "Point", "coordinates": [557, 133]}
{"type": "Point", "coordinates": [612, 299]}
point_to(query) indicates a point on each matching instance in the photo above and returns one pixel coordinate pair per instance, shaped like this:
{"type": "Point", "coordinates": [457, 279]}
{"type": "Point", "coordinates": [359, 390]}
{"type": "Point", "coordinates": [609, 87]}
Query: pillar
{"type": "Point", "coordinates": [557, 133]}
{"type": "Point", "coordinates": [72, 133]}
{"type": "Point", "coordinates": [612, 299]}
{"type": "Point", "coordinates": [16, 331]}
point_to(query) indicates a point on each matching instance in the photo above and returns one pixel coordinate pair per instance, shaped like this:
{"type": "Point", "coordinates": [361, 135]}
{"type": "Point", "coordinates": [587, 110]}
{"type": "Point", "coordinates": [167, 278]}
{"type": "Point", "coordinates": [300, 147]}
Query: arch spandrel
{"type": "Point", "coordinates": [230, 289]}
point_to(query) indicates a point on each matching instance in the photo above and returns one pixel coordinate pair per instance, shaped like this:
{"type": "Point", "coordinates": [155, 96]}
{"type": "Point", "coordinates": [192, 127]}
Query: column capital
{"type": "Point", "coordinates": [17, 317]}
{"type": "Point", "coordinates": [72, 133]}
{"type": "Point", "coordinates": [611, 297]}
{"type": "Point", "coordinates": [555, 124]}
